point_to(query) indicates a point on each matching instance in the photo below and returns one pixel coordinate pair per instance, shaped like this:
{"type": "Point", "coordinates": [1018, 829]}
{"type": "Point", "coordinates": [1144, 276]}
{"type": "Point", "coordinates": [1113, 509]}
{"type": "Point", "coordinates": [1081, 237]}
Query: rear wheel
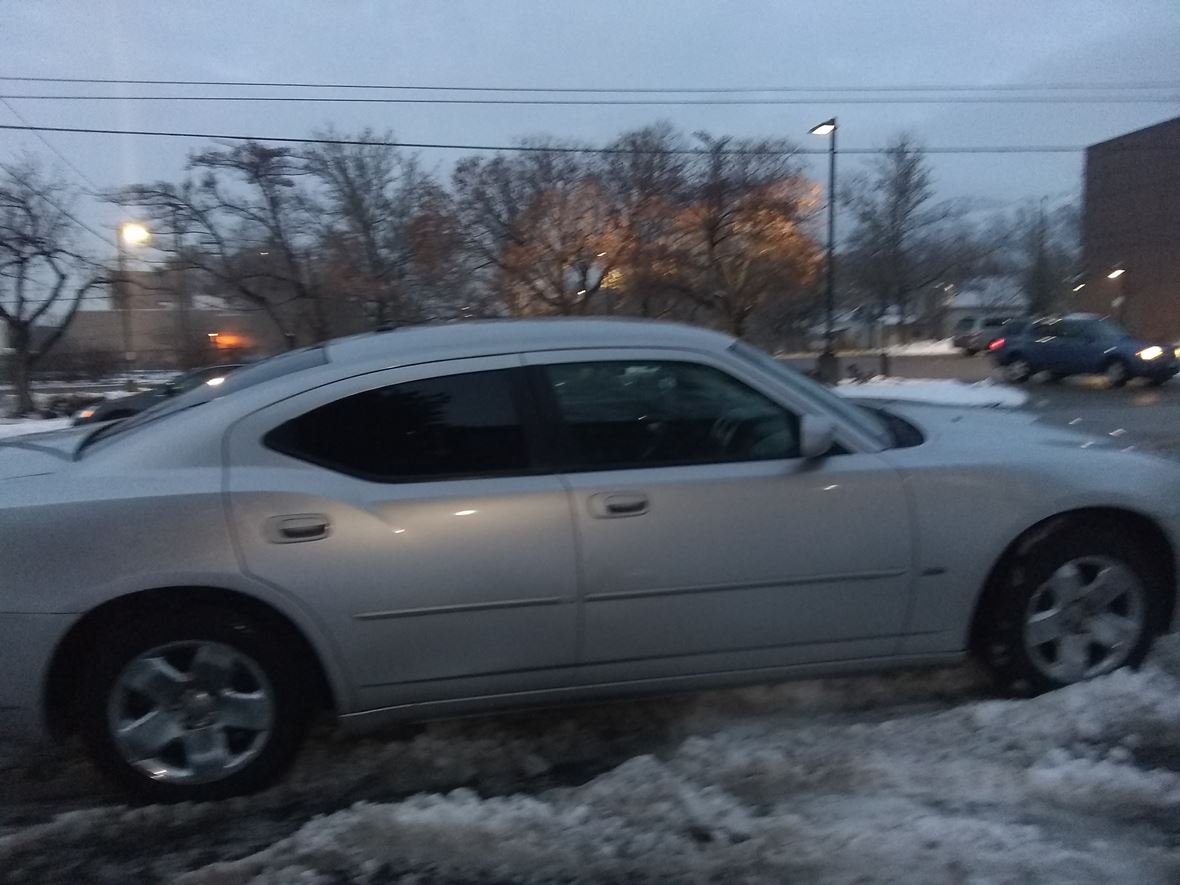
{"type": "Point", "coordinates": [193, 705]}
{"type": "Point", "coordinates": [1117, 373]}
{"type": "Point", "coordinates": [1080, 603]}
{"type": "Point", "coordinates": [1017, 370]}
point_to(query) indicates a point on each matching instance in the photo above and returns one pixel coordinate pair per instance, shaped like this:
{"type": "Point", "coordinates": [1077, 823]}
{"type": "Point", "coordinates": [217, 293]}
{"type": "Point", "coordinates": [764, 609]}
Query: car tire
{"type": "Point", "coordinates": [1110, 623]}
{"type": "Point", "coordinates": [192, 705]}
{"type": "Point", "coordinates": [1017, 370]}
{"type": "Point", "coordinates": [1157, 382]}
{"type": "Point", "coordinates": [969, 351]}
{"type": "Point", "coordinates": [1117, 373]}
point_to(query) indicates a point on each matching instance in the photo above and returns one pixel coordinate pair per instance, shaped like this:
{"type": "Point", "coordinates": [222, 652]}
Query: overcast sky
{"type": "Point", "coordinates": [604, 43]}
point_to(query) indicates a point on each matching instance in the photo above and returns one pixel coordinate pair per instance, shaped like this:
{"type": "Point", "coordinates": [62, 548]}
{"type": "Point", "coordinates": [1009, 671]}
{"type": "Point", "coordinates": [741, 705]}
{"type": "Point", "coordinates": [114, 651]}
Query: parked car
{"type": "Point", "coordinates": [1082, 344]}
{"type": "Point", "coordinates": [973, 334]}
{"type": "Point", "coordinates": [126, 406]}
{"type": "Point", "coordinates": [454, 519]}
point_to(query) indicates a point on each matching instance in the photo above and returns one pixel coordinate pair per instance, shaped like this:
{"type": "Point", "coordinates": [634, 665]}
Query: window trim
{"type": "Point", "coordinates": [538, 454]}
{"type": "Point", "coordinates": [560, 439]}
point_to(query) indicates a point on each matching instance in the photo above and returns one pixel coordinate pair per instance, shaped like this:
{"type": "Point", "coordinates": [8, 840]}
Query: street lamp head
{"type": "Point", "coordinates": [1116, 273]}
{"type": "Point", "coordinates": [132, 233]}
{"type": "Point", "coordinates": [1079, 287]}
{"type": "Point", "coordinates": [827, 127]}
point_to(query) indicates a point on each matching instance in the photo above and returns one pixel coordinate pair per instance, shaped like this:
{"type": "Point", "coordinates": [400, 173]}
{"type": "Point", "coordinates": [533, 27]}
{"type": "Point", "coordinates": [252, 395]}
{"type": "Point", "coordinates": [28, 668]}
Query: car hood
{"type": "Point", "coordinates": [995, 430]}
{"type": "Point", "coordinates": [40, 453]}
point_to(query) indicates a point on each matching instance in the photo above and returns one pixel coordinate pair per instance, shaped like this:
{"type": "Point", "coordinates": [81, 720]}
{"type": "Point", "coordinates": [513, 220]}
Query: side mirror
{"type": "Point", "coordinates": [816, 436]}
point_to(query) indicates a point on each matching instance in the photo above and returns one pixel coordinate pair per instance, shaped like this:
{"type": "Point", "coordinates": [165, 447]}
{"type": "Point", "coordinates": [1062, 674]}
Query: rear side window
{"type": "Point", "coordinates": [655, 414]}
{"type": "Point", "coordinates": [965, 324]}
{"type": "Point", "coordinates": [450, 427]}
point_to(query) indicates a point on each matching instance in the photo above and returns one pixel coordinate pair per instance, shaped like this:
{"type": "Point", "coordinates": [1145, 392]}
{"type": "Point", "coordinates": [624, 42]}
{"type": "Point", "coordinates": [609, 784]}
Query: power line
{"type": "Point", "coordinates": [825, 90]}
{"type": "Point", "coordinates": [45, 141]}
{"type": "Point", "coordinates": [562, 149]}
{"type": "Point", "coordinates": [619, 102]}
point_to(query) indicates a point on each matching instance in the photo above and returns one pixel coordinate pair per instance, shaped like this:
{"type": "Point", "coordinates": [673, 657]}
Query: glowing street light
{"type": "Point", "coordinates": [132, 233]}
{"type": "Point", "coordinates": [1116, 273]}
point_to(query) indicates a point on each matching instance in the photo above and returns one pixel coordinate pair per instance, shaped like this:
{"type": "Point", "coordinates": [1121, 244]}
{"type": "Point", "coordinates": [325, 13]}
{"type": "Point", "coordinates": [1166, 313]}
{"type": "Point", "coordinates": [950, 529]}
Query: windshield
{"type": "Point", "coordinates": [861, 418]}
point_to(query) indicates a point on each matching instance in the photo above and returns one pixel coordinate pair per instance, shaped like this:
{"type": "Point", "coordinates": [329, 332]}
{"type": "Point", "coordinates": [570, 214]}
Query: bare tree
{"type": "Point", "coordinates": [903, 241]}
{"type": "Point", "coordinates": [254, 231]}
{"type": "Point", "coordinates": [1046, 254]}
{"type": "Point", "coordinates": [378, 207]}
{"type": "Point", "coordinates": [43, 278]}
{"type": "Point", "coordinates": [741, 238]}
{"type": "Point", "coordinates": [646, 177]}
{"type": "Point", "coordinates": [542, 227]}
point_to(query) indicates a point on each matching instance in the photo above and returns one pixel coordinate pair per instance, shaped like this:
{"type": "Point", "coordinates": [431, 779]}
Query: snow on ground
{"type": "Point", "coordinates": [917, 777]}
{"type": "Point", "coordinates": [939, 391]}
{"type": "Point", "coordinates": [13, 427]}
{"type": "Point", "coordinates": [942, 347]}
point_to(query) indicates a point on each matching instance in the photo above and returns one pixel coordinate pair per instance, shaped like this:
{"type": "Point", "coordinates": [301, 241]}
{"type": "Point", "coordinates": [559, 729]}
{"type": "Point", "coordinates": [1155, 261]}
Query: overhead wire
{"type": "Point", "coordinates": [532, 148]}
{"type": "Point", "coordinates": [621, 90]}
{"type": "Point", "coordinates": [612, 102]}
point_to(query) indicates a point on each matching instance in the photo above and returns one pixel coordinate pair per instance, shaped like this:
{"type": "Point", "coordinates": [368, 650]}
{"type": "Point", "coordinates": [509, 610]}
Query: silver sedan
{"type": "Point", "coordinates": [452, 519]}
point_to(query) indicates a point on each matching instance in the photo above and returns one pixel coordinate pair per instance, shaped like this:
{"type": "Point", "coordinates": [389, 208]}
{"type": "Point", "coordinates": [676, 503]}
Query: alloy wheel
{"type": "Point", "coordinates": [1085, 620]}
{"type": "Point", "coordinates": [191, 712]}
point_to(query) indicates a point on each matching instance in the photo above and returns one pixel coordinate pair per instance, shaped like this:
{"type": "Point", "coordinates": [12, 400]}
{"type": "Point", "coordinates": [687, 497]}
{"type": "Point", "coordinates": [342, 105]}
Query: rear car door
{"type": "Point", "coordinates": [706, 542]}
{"type": "Point", "coordinates": [406, 510]}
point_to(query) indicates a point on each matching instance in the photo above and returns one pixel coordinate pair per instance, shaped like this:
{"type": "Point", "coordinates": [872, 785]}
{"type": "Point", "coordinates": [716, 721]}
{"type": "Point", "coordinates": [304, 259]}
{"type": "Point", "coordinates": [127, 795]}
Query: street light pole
{"type": "Point", "coordinates": [828, 366]}
{"type": "Point", "coordinates": [129, 233]}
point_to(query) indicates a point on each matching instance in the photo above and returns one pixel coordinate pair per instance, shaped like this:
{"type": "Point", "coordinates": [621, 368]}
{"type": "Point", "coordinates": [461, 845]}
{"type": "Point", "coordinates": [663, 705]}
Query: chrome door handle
{"type": "Point", "coordinates": [607, 505]}
{"type": "Point", "coordinates": [298, 527]}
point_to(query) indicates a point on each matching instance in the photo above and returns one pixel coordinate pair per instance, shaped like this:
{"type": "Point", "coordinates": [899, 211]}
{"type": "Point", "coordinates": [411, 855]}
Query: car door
{"type": "Point", "coordinates": [1076, 347]}
{"type": "Point", "coordinates": [706, 543]}
{"type": "Point", "coordinates": [1046, 349]}
{"type": "Point", "coordinates": [406, 510]}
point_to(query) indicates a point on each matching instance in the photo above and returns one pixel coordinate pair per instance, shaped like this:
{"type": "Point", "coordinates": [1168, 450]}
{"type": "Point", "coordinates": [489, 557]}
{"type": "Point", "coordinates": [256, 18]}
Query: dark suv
{"type": "Point", "coordinates": [1082, 344]}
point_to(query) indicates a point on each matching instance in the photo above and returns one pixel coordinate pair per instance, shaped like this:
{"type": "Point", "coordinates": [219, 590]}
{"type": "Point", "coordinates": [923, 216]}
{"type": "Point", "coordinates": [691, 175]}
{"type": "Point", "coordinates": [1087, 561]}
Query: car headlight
{"type": "Point", "coordinates": [1151, 353]}
{"type": "Point", "coordinates": [85, 414]}
{"type": "Point", "coordinates": [1176, 353]}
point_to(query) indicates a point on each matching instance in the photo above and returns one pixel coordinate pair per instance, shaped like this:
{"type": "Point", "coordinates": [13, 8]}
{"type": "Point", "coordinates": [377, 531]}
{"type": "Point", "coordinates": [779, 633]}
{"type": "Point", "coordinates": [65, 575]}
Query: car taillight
{"type": "Point", "coordinates": [996, 345]}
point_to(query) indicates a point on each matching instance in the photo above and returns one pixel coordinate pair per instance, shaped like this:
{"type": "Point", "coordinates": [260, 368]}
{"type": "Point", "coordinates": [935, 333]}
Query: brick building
{"type": "Point", "coordinates": [1131, 221]}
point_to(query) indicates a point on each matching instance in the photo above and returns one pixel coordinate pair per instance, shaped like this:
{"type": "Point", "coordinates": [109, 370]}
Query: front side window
{"type": "Point", "coordinates": [658, 414]}
{"type": "Point", "coordinates": [449, 427]}
{"type": "Point", "coordinates": [965, 324]}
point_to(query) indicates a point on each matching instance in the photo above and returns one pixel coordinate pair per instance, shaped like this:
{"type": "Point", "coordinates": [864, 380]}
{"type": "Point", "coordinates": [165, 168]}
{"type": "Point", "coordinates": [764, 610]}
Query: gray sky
{"type": "Point", "coordinates": [605, 43]}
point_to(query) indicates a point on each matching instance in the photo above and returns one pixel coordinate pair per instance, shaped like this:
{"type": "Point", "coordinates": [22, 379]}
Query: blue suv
{"type": "Point", "coordinates": [1082, 344]}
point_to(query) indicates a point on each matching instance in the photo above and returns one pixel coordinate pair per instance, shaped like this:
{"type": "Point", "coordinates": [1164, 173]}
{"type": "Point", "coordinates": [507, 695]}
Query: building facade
{"type": "Point", "coordinates": [1131, 223]}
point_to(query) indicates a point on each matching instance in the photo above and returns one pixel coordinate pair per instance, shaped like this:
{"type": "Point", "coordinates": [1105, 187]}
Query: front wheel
{"type": "Point", "coordinates": [1117, 373]}
{"type": "Point", "coordinates": [200, 704]}
{"type": "Point", "coordinates": [1080, 603]}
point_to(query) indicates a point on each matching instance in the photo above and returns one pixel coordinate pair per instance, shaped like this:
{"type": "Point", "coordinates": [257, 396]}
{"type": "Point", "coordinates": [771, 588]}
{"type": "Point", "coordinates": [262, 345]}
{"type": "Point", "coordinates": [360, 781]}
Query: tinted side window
{"type": "Point", "coordinates": [1043, 330]}
{"type": "Point", "coordinates": [454, 426]}
{"type": "Point", "coordinates": [656, 414]}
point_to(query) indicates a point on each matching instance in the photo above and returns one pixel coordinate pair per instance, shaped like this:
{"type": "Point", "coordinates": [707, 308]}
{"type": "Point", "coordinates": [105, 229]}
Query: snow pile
{"type": "Point", "coordinates": [870, 779]}
{"type": "Point", "coordinates": [934, 391]}
{"type": "Point", "coordinates": [13, 427]}
{"type": "Point", "coordinates": [941, 347]}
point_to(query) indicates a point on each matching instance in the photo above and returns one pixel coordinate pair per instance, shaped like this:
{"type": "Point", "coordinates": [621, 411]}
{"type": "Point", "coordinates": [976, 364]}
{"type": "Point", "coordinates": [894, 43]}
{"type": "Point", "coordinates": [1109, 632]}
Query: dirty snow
{"type": "Point", "coordinates": [916, 777]}
{"type": "Point", "coordinates": [934, 390]}
{"type": "Point", "coordinates": [926, 347]}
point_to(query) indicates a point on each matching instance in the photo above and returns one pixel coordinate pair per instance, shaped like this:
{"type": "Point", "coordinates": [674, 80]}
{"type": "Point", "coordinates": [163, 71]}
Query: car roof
{"type": "Point", "coordinates": [486, 337]}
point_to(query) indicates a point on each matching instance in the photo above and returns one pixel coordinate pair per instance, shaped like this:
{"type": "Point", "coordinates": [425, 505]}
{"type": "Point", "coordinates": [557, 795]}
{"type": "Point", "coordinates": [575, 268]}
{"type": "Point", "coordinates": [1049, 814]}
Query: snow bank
{"type": "Point", "coordinates": [942, 347]}
{"type": "Point", "coordinates": [935, 391]}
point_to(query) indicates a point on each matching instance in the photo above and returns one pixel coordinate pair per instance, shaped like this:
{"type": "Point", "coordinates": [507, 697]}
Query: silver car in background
{"type": "Point", "coordinates": [451, 519]}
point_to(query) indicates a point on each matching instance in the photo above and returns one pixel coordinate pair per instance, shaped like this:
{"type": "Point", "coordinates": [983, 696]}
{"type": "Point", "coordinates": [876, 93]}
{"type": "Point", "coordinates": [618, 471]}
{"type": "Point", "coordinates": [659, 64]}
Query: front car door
{"type": "Point", "coordinates": [706, 542]}
{"type": "Point", "coordinates": [405, 508]}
